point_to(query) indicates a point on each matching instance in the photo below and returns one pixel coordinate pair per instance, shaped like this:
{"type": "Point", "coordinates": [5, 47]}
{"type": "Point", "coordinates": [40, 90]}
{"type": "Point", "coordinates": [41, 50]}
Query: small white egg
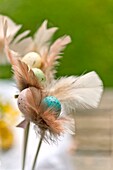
{"type": "Point", "coordinates": [32, 59]}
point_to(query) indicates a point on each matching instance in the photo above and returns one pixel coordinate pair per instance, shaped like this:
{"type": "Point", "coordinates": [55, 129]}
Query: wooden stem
{"type": "Point", "coordinates": [37, 152]}
{"type": "Point", "coordinates": [26, 134]}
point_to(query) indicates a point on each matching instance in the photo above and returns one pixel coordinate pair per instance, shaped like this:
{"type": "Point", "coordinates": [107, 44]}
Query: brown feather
{"type": "Point", "coordinates": [54, 125]}
{"type": "Point", "coordinates": [48, 124]}
{"type": "Point", "coordinates": [23, 75]}
{"type": "Point", "coordinates": [34, 98]}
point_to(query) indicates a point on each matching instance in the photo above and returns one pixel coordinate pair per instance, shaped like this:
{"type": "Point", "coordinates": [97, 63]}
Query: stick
{"type": "Point", "coordinates": [26, 134]}
{"type": "Point", "coordinates": [37, 152]}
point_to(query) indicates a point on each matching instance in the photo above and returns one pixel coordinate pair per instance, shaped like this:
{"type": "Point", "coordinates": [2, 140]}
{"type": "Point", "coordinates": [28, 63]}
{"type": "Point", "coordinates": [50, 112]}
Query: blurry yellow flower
{"type": "Point", "coordinates": [8, 113]}
{"type": "Point", "coordinates": [11, 114]}
{"type": "Point", "coordinates": [8, 117]}
{"type": "Point", "coordinates": [6, 135]}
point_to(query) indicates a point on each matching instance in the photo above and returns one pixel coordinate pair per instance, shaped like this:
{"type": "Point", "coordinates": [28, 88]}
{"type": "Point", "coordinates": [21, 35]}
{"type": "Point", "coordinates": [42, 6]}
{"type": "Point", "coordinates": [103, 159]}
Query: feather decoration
{"type": "Point", "coordinates": [12, 29]}
{"type": "Point", "coordinates": [29, 103]}
{"type": "Point", "coordinates": [42, 38]}
{"type": "Point", "coordinates": [49, 53]}
{"type": "Point", "coordinates": [30, 98]}
{"type": "Point", "coordinates": [21, 36]}
{"type": "Point", "coordinates": [22, 47]}
{"type": "Point", "coordinates": [72, 92]}
{"type": "Point", "coordinates": [52, 127]}
{"type": "Point", "coordinates": [24, 76]}
{"type": "Point", "coordinates": [77, 92]}
{"type": "Point", "coordinates": [22, 43]}
{"type": "Point", "coordinates": [54, 54]}
{"type": "Point", "coordinates": [8, 31]}
{"type": "Point", "coordinates": [42, 45]}
{"type": "Point", "coordinates": [58, 46]}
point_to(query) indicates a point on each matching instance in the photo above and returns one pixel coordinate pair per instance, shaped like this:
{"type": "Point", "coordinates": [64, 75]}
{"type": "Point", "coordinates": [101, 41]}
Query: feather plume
{"type": "Point", "coordinates": [19, 43]}
{"type": "Point", "coordinates": [42, 38]}
{"type": "Point", "coordinates": [23, 75]}
{"type": "Point", "coordinates": [77, 92]}
{"type": "Point", "coordinates": [57, 47]}
{"type": "Point", "coordinates": [12, 28]}
{"type": "Point", "coordinates": [51, 126]}
{"type": "Point", "coordinates": [29, 103]}
{"type": "Point", "coordinates": [22, 44]}
{"type": "Point", "coordinates": [21, 36]}
{"type": "Point", "coordinates": [53, 55]}
{"type": "Point", "coordinates": [9, 53]}
{"type": "Point", "coordinates": [55, 50]}
{"type": "Point", "coordinates": [23, 47]}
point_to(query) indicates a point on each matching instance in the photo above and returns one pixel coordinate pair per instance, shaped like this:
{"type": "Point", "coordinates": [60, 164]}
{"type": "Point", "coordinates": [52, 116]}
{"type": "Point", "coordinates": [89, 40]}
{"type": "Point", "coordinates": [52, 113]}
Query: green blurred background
{"type": "Point", "coordinates": [88, 22]}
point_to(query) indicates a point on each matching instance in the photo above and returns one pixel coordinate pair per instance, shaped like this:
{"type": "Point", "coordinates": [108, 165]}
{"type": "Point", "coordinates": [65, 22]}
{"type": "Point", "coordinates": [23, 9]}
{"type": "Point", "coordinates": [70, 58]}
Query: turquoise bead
{"type": "Point", "coordinates": [52, 102]}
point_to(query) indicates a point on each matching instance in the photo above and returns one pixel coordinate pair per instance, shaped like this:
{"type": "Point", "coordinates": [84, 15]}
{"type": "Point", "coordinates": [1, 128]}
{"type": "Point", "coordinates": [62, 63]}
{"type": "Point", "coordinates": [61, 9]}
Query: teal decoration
{"type": "Point", "coordinates": [52, 102]}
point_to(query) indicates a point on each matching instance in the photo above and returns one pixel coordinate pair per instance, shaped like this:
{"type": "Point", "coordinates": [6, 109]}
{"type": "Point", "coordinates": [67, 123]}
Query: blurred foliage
{"type": "Point", "coordinates": [5, 71]}
{"type": "Point", "coordinates": [89, 23]}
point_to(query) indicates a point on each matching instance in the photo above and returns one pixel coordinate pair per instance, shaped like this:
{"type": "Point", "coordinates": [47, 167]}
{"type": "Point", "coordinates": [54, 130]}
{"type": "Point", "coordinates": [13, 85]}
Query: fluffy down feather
{"type": "Point", "coordinates": [77, 92]}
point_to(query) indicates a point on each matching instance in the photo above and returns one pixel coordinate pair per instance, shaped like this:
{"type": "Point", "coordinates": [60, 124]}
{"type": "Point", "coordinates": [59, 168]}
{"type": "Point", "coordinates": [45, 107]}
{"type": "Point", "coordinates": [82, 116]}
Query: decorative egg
{"type": "Point", "coordinates": [32, 59]}
{"type": "Point", "coordinates": [39, 74]}
{"type": "Point", "coordinates": [22, 105]}
{"type": "Point", "coordinates": [24, 101]}
{"type": "Point", "coordinates": [53, 103]}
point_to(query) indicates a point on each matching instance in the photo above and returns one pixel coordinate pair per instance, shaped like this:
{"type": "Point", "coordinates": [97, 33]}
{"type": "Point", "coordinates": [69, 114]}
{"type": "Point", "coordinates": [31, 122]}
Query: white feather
{"type": "Point", "coordinates": [21, 36]}
{"type": "Point", "coordinates": [77, 92]}
{"type": "Point", "coordinates": [43, 36]}
{"type": "Point", "coordinates": [58, 46]}
{"type": "Point", "coordinates": [12, 29]}
{"type": "Point", "coordinates": [23, 47]}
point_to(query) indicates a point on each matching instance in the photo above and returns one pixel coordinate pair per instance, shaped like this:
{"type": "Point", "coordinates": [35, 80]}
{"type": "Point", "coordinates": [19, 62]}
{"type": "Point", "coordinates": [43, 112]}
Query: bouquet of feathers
{"type": "Point", "coordinates": [43, 100]}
